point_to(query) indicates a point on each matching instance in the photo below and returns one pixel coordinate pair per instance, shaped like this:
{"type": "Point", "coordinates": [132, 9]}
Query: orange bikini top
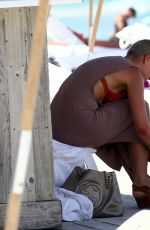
{"type": "Point", "coordinates": [109, 95]}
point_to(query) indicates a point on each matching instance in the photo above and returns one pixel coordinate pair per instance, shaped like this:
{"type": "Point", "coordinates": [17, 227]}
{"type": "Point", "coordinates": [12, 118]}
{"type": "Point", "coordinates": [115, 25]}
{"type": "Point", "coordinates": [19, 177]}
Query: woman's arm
{"type": "Point", "coordinates": [135, 89]}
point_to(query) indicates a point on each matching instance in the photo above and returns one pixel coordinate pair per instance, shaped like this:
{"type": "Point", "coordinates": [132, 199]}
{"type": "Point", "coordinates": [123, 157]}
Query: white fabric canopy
{"type": "Point", "coordinates": [21, 3]}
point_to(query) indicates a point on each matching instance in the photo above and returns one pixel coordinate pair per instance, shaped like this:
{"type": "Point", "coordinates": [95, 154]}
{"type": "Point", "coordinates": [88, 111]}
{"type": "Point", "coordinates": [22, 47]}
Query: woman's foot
{"type": "Point", "coordinates": [142, 196]}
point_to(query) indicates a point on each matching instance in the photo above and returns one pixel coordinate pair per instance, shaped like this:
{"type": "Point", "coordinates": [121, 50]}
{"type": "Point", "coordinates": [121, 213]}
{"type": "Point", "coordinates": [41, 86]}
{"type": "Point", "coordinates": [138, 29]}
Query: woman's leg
{"type": "Point", "coordinates": [139, 156]}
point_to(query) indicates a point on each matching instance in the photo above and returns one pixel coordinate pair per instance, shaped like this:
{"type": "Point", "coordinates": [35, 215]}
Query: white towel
{"type": "Point", "coordinates": [75, 207]}
{"type": "Point", "coordinates": [132, 33]}
{"type": "Point", "coordinates": [66, 157]}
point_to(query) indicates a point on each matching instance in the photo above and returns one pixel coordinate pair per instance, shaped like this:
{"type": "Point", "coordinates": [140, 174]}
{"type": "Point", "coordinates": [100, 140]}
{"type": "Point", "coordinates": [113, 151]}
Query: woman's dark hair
{"type": "Point", "coordinates": [139, 48]}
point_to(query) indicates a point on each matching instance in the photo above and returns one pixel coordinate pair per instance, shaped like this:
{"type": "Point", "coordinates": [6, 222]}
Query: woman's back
{"type": "Point", "coordinates": [74, 107]}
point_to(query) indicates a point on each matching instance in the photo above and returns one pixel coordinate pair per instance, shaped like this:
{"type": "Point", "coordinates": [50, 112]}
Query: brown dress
{"type": "Point", "coordinates": [79, 120]}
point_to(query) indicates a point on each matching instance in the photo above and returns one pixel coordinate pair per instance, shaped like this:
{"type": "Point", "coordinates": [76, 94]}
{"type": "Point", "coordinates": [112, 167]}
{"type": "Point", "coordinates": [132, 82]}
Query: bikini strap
{"type": "Point", "coordinates": [105, 86]}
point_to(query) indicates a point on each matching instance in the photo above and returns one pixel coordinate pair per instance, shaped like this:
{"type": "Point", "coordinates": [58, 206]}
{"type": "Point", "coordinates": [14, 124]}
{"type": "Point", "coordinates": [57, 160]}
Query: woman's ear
{"type": "Point", "coordinates": [146, 58]}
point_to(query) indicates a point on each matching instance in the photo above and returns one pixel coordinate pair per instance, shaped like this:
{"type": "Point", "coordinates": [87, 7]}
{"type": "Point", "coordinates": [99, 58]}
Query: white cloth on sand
{"type": "Point", "coordinates": [75, 207]}
{"type": "Point", "coordinates": [66, 157]}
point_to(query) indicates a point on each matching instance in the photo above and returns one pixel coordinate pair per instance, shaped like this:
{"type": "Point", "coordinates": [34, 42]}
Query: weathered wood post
{"type": "Point", "coordinates": [40, 208]}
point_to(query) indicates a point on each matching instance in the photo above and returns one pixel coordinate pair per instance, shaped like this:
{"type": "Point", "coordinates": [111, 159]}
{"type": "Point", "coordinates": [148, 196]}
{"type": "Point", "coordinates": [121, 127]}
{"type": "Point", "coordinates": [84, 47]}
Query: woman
{"type": "Point", "coordinates": [101, 105]}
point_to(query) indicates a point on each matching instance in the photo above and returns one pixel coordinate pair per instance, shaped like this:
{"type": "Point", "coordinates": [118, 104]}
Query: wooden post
{"type": "Point", "coordinates": [15, 197]}
{"type": "Point", "coordinates": [40, 209]}
{"type": "Point", "coordinates": [95, 27]}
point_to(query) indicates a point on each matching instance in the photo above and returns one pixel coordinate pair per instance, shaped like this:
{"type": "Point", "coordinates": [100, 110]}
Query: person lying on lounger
{"type": "Point", "coordinates": [101, 105]}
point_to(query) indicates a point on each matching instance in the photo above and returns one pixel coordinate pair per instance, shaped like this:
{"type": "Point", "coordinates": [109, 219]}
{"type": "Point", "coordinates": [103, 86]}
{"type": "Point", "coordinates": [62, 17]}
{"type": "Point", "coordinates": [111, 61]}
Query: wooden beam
{"type": "Point", "coordinates": [37, 215]}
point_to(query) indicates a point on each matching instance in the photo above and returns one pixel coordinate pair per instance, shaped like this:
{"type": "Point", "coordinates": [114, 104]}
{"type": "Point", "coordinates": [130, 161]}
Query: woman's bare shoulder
{"type": "Point", "coordinates": [133, 74]}
{"type": "Point", "coordinates": [125, 76]}
{"type": "Point", "coordinates": [129, 75]}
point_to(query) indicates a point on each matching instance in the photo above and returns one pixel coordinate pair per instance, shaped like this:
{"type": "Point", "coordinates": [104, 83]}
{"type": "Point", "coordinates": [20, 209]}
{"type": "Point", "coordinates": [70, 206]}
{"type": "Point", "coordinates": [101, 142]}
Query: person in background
{"type": "Point", "coordinates": [101, 105]}
{"type": "Point", "coordinates": [121, 21]}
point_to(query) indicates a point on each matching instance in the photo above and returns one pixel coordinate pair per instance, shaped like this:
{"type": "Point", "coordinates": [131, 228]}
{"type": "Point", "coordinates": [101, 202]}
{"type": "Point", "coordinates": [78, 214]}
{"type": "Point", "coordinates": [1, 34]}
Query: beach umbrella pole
{"type": "Point", "coordinates": [90, 19]}
{"type": "Point", "coordinates": [15, 196]}
{"type": "Point", "coordinates": [95, 27]}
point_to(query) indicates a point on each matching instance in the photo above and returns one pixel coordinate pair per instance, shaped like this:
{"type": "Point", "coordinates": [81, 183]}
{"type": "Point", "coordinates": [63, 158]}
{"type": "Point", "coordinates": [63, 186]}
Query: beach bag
{"type": "Point", "coordinates": [100, 187]}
